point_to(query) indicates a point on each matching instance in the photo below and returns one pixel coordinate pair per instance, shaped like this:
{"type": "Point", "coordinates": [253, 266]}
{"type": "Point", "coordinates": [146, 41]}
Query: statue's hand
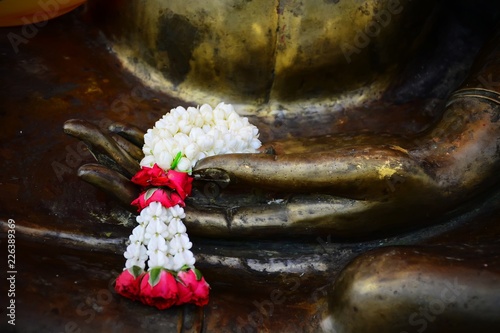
{"type": "Point", "coordinates": [364, 187]}
{"type": "Point", "coordinates": [346, 189]}
{"type": "Point", "coordinates": [359, 185]}
{"type": "Point", "coordinates": [347, 186]}
{"type": "Point", "coordinates": [293, 191]}
{"type": "Point", "coordinates": [118, 153]}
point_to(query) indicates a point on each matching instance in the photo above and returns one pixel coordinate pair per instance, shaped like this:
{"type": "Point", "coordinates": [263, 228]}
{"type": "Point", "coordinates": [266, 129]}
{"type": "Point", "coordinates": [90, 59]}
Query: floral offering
{"type": "Point", "coordinates": [160, 267]}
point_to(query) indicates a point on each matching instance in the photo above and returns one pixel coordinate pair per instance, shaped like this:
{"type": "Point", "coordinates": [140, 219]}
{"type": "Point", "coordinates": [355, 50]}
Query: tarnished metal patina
{"type": "Point", "coordinates": [373, 206]}
{"type": "Point", "coordinates": [292, 64]}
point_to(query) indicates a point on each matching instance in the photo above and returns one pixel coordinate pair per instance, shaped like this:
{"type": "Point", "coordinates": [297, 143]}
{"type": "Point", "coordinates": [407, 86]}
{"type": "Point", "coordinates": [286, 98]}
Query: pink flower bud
{"type": "Point", "coordinates": [154, 176]}
{"type": "Point", "coordinates": [167, 199]}
{"type": "Point", "coordinates": [163, 294]}
{"type": "Point", "coordinates": [128, 285]}
{"type": "Point", "coordinates": [180, 182]}
{"type": "Point", "coordinates": [192, 290]}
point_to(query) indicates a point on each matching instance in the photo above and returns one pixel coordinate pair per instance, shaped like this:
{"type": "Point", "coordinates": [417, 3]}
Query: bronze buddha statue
{"type": "Point", "coordinates": [372, 205]}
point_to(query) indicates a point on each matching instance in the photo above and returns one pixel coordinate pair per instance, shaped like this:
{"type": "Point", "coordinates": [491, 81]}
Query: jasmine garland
{"type": "Point", "coordinates": [172, 147]}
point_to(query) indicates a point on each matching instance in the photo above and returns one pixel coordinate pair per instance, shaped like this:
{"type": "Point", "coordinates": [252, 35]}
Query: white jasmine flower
{"type": "Point", "coordinates": [160, 238]}
{"type": "Point", "coordinates": [198, 133]}
{"type": "Point", "coordinates": [176, 227]}
{"type": "Point", "coordinates": [157, 251]}
{"type": "Point", "coordinates": [179, 243]}
{"type": "Point", "coordinates": [184, 164]}
{"type": "Point", "coordinates": [183, 258]}
{"type": "Point", "coordinates": [177, 212]}
{"type": "Point", "coordinates": [136, 251]}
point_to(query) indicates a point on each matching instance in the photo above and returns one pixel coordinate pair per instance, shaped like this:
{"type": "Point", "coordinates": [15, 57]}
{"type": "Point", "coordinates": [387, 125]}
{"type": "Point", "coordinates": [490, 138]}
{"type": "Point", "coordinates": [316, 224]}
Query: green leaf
{"type": "Point", "coordinates": [176, 160]}
{"type": "Point", "coordinates": [149, 193]}
{"type": "Point", "coordinates": [154, 276]}
{"type": "Point", "coordinates": [185, 268]}
{"type": "Point", "coordinates": [136, 271]}
{"type": "Point", "coordinates": [198, 274]}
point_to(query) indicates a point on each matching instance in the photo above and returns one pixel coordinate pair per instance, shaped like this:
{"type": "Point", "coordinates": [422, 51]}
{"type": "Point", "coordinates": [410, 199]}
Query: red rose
{"type": "Point", "coordinates": [192, 289]}
{"type": "Point", "coordinates": [147, 176]}
{"type": "Point", "coordinates": [181, 182]}
{"type": "Point", "coordinates": [128, 285]}
{"type": "Point", "coordinates": [163, 294]}
{"type": "Point", "coordinates": [167, 199]}
{"type": "Point", "coordinates": [200, 292]}
{"type": "Point", "coordinates": [185, 295]}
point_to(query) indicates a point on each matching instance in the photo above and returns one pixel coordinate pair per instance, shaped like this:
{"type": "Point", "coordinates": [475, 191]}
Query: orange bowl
{"type": "Point", "coordinates": [16, 12]}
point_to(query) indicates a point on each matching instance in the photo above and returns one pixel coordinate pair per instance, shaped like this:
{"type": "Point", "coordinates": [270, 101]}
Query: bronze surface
{"type": "Point", "coordinates": [264, 276]}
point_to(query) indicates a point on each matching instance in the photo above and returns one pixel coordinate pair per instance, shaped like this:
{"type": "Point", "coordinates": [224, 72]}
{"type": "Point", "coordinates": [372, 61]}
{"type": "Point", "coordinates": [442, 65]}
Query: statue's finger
{"type": "Point", "coordinates": [104, 148]}
{"type": "Point", "coordinates": [302, 215]}
{"type": "Point", "coordinates": [135, 152]}
{"type": "Point", "coordinates": [109, 181]}
{"type": "Point", "coordinates": [129, 132]}
{"type": "Point", "coordinates": [308, 214]}
{"type": "Point", "coordinates": [354, 172]}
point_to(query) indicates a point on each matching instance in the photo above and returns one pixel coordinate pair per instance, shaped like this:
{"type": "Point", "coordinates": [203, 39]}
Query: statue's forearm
{"type": "Point", "coordinates": [462, 149]}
